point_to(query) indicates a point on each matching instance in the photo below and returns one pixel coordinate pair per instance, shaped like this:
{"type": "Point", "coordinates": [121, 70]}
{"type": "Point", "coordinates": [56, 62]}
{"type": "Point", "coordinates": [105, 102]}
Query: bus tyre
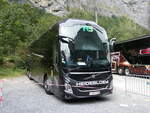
{"type": "Point", "coordinates": [29, 75]}
{"type": "Point", "coordinates": [120, 71]}
{"type": "Point", "coordinates": [46, 85]}
{"type": "Point", "coordinates": [127, 71]}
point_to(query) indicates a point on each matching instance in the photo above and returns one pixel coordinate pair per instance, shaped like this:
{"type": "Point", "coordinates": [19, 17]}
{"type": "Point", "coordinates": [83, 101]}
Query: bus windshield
{"type": "Point", "coordinates": [84, 46]}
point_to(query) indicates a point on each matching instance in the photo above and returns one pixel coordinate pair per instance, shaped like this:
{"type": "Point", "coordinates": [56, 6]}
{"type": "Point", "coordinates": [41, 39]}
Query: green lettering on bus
{"type": "Point", "coordinates": [88, 28]}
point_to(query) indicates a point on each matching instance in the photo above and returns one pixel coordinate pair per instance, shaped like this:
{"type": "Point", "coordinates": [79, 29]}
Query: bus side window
{"type": "Point", "coordinates": [55, 58]}
{"type": "Point", "coordinates": [55, 55]}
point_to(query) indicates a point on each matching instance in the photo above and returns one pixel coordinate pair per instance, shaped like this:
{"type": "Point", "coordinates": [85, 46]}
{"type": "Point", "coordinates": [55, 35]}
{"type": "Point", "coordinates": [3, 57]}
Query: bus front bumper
{"type": "Point", "coordinates": [72, 91]}
{"type": "Point", "coordinates": [103, 92]}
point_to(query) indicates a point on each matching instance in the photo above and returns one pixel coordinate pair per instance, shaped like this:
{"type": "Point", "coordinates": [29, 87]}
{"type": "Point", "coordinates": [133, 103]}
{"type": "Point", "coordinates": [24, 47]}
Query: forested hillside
{"type": "Point", "coordinates": [20, 24]}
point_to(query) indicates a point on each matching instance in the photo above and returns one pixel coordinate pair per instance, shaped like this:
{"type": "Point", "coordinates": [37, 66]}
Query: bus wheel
{"type": "Point", "coordinates": [120, 71]}
{"type": "Point", "coordinates": [127, 71]}
{"type": "Point", "coordinates": [46, 85]}
{"type": "Point", "coordinates": [29, 75]}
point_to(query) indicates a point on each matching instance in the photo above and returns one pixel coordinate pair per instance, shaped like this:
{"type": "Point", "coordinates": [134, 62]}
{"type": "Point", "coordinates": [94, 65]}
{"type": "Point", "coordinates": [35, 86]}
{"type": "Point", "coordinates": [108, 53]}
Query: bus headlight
{"type": "Point", "coordinates": [68, 88]}
{"type": "Point", "coordinates": [111, 85]}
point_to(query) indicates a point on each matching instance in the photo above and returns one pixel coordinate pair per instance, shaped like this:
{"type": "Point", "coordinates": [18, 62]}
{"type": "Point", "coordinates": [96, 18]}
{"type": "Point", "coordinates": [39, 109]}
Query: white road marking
{"type": "Point", "coordinates": [124, 105]}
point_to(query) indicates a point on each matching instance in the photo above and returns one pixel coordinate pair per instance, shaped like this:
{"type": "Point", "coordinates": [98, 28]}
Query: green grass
{"type": "Point", "coordinates": [11, 72]}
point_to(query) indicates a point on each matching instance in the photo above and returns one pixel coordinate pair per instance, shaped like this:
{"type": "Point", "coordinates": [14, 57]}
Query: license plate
{"type": "Point", "coordinates": [94, 93]}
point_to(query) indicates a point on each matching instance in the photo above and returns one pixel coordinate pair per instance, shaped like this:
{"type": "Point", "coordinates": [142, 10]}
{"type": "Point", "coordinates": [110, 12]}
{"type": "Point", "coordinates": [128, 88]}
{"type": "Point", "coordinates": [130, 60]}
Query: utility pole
{"type": "Point", "coordinates": [67, 3]}
{"type": "Point", "coordinates": [96, 17]}
{"type": "Point", "coordinates": [80, 5]}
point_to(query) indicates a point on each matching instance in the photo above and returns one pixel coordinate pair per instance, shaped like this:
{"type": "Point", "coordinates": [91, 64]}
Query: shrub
{"type": "Point", "coordinates": [1, 61]}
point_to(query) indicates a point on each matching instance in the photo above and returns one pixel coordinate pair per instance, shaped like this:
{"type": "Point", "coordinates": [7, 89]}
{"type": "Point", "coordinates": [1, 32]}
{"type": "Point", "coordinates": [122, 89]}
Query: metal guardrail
{"type": "Point", "coordinates": [138, 84]}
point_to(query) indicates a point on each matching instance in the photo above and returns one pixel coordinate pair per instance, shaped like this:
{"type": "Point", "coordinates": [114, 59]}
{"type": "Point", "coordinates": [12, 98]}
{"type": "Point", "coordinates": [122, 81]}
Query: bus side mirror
{"type": "Point", "coordinates": [111, 44]}
{"type": "Point", "coordinates": [63, 40]}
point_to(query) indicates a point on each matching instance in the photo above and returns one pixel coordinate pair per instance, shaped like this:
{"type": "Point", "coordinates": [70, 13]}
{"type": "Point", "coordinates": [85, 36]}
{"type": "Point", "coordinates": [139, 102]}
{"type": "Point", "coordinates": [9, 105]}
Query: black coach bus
{"type": "Point", "coordinates": [72, 60]}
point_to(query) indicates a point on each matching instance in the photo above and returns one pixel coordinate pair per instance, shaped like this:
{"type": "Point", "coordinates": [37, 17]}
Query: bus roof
{"type": "Point", "coordinates": [72, 22]}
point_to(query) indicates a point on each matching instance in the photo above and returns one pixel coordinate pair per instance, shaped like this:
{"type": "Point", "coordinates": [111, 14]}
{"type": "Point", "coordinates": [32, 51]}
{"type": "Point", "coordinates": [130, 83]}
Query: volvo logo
{"type": "Point", "coordinates": [92, 76]}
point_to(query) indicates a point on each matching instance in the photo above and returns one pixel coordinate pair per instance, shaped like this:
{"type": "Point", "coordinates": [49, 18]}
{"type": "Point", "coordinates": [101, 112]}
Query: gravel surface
{"type": "Point", "coordinates": [24, 96]}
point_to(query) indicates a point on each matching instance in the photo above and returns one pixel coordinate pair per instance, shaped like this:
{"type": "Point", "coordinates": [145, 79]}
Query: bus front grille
{"type": "Point", "coordinates": [89, 76]}
{"type": "Point", "coordinates": [92, 88]}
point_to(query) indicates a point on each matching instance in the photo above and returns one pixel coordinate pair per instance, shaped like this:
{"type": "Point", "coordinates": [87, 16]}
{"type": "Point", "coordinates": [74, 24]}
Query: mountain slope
{"type": "Point", "coordinates": [137, 10]}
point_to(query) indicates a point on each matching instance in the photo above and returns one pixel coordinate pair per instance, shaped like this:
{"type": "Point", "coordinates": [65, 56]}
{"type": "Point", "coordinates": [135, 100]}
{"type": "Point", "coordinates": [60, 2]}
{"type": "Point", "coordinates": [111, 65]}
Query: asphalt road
{"type": "Point", "coordinates": [24, 96]}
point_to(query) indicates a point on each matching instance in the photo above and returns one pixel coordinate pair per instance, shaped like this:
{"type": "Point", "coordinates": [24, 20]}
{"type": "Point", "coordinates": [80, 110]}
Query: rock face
{"type": "Point", "coordinates": [56, 7]}
{"type": "Point", "coordinates": [137, 10]}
